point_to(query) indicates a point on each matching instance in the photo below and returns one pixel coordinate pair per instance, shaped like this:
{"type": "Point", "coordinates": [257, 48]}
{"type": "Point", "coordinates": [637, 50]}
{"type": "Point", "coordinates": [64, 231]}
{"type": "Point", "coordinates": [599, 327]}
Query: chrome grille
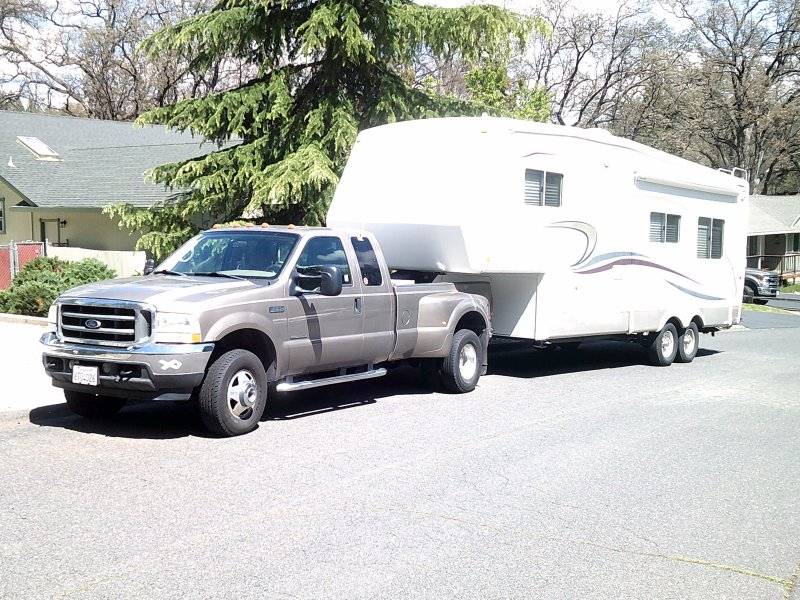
{"type": "Point", "coordinates": [773, 282]}
{"type": "Point", "coordinates": [104, 323]}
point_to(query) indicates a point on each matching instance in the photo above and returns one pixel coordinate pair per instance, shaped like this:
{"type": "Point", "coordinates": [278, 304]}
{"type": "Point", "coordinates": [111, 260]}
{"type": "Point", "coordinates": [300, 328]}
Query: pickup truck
{"type": "Point", "coordinates": [760, 286]}
{"type": "Point", "coordinates": [238, 311]}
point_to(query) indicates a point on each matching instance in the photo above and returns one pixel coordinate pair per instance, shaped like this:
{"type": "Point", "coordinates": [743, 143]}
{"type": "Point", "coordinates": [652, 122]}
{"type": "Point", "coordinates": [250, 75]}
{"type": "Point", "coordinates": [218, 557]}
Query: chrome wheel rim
{"type": "Point", "coordinates": [667, 343]}
{"type": "Point", "coordinates": [689, 341]}
{"type": "Point", "coordinates": [242, 394]}
{"type": "Point", "coordinates": [467, 362]}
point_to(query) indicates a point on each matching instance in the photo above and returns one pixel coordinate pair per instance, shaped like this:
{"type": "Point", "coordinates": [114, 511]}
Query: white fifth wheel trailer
{"type": "Point", "coordinates": [570, 233]}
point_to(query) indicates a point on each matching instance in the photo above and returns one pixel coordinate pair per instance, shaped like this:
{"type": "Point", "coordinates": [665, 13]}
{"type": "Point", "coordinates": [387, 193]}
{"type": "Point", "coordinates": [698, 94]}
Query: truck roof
{"type": "Point", "coordinates": [302, 230]}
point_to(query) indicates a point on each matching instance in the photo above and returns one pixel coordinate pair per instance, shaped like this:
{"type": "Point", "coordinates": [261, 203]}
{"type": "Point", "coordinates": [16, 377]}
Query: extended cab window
{"type": "Point", "coordinates": [324, 251]}
{"type": "Point", "coordinates": [367, 262]}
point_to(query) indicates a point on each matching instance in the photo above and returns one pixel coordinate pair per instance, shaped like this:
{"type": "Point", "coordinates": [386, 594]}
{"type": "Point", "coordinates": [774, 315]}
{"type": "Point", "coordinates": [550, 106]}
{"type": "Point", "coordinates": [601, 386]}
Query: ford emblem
{"type": "Point", "coordinates": [92, 324]}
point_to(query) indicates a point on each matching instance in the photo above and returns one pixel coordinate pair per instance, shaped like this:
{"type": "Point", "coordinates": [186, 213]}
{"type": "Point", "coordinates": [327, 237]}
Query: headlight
{"type": "Point", "coordinates": [176, 328]}
{"type": "Point", "coordinates": [52, 318]}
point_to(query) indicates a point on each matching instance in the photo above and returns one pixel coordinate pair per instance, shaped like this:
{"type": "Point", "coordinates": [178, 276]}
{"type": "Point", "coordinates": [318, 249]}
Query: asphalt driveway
{"type": "Point", "coordinates": [582, 474]}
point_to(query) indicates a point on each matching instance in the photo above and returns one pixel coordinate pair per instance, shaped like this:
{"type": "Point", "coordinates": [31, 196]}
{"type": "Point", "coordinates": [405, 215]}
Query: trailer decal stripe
{"type": "Point", "coordinates": [638, 262]}
{"type": "Point", "coordinates": [695, 294]}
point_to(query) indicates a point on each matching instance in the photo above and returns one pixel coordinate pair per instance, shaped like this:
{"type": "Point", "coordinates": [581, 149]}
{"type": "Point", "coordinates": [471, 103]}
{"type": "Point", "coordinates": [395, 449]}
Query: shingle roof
{"type": "Point", "coordinates": [774, 214]}
{"type": "Point", "coordinates": [103, 162]}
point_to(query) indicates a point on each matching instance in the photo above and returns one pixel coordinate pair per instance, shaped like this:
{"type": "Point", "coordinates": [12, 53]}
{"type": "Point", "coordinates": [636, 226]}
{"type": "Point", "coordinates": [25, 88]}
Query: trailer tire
{"type": "Point", "coordinates": [688, 344]}
{"type": "Point", "coordinates": [664, 346]}
{"type": "Point", "coordinates": [91, 406]}
{"type": "Point", "coordinates": [461, 368]}
{"type": "Point", "coordinates": [233, 395]}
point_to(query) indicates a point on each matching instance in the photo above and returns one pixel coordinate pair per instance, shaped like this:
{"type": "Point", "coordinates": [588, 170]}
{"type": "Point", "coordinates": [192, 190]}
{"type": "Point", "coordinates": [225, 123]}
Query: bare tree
{"type": "Point", "coordinates": [746, 67]}
{"type": "Point", "coordinates": [592, 62]}
{"type": "Point", "coordinates": [87, 60]}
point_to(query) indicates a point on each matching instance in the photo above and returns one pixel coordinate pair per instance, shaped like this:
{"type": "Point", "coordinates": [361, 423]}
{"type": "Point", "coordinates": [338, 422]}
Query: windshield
{"type": "Point", "coordinates": [232, 253]}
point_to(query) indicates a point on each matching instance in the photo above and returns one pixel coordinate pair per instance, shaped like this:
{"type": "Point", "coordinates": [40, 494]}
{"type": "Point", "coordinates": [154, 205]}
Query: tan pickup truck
{"type": "Point", "coordinates": [237, 309]}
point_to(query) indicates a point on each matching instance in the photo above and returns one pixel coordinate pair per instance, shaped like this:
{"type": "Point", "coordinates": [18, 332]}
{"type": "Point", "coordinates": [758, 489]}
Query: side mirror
{"type": "Point", "coordinates": [149, 266]}
{"type": "Point", "coordinates": [328, 282]}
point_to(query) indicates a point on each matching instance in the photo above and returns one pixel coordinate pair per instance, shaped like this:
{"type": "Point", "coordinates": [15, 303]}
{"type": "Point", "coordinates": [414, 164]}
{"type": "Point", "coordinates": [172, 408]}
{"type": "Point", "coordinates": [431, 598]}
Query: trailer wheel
{"type": "Point", "coordinates": [688, 344]}
{"type": "Point", "coordinates": [664, 346]}
{"type": "Point", "coordinates": [234, 394]}
{"type": "Point", "coordinates": [461, 368]}
{"type": "Point", "coordinates": [91, 406]}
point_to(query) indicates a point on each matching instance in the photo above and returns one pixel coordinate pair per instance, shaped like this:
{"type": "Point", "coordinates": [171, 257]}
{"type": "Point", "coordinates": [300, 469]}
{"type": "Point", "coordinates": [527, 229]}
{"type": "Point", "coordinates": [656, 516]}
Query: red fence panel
{"type": "Point", "coordinates": [26, 252]}
{"type": "Point", "coordinates": [5, 267]}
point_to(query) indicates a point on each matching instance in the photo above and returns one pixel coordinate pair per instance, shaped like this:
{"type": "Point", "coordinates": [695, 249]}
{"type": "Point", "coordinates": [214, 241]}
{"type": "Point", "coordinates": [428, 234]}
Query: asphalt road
{"type": "Point", "coordinates": [580, 474]}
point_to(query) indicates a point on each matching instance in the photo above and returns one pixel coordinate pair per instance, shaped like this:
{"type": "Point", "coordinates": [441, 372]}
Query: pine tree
{"type": "Point", "coordinates": [323, 70]}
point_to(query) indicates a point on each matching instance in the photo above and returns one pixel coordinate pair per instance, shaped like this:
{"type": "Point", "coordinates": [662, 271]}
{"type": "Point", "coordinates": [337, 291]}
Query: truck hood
{"type": "Point", "coordinates": [160, 289]}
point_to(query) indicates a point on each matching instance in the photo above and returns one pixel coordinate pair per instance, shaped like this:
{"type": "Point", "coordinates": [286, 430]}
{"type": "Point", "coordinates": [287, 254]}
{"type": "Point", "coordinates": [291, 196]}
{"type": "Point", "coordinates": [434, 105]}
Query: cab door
{"type": "Point", "coordinates": [379, 302]}
{"type": "Point", "coordinates": [325, 332]}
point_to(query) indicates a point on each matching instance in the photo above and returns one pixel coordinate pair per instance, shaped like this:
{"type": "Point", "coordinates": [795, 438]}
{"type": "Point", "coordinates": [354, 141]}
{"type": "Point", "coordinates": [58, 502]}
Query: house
{"type": "Point", "coordinates": [773, 237]}
{"type": "Point", "coordinates": [58, 172]}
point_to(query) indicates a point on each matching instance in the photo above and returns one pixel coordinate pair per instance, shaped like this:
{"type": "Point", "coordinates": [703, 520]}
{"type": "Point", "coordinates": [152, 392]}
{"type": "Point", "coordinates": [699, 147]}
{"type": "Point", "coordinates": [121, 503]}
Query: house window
{"type": "Point", "coordinates": [542, 188]}
{"type": "Point", "coordinates": [752, 245]}
{"type": "Point", "coordinates": [710, 234]}
{"type": "Point", "coordinates": [794, 243]}
{"type": "Point", "coordinates": [665, 228]}
{"type": "Point", "coordinates": [2, 215]}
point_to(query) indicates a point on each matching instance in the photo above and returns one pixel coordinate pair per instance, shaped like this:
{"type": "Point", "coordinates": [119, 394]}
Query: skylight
{"type": "Point", "coordinates": [39, 149]}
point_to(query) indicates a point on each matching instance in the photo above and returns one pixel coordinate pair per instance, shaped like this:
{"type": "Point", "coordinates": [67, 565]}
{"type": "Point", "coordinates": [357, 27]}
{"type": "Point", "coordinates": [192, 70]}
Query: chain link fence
{"type": "Point", "coordinates": [16, 255]}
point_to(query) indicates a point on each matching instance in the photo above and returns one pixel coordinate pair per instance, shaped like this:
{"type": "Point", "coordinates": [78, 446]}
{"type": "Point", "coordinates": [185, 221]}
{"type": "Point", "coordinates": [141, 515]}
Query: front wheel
{"type": "Point", "coordinates": [461, 368]}
{"type": "Point", "coordinates": [664, 346]}
{"type": "Point", "coordinates": [760, 301]}
{"type": "Point", "coordinates": [233, 396]}
{"type": "Point", "coordinates": [91, 406]}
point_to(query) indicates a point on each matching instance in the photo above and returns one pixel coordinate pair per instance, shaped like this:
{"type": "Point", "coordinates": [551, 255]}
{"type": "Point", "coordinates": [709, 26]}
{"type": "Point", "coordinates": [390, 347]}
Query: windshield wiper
{"type": "Point", "coordinates": [168, 272]}
{"type": "Point", "coordinates": [220, 274]}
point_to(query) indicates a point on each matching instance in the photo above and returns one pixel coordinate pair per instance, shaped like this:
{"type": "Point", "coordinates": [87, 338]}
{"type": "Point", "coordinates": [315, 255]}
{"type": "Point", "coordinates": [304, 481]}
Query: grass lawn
{"type": "Point", "coordinates": [788, 289]}
{"type": "Point", "coordinates": [768, 309]}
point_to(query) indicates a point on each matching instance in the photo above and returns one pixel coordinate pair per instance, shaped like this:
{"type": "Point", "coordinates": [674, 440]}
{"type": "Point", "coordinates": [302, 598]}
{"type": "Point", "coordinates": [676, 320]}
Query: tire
{"type": "Point", "coordinates": [461, 368]}
{"type": "Point", "coordinates": [233, 396]}
{"type": "Point", "coordinates": [688, 343]}
{"type": "Point", "coordinates": [760, 301]}
{"type": "Point", "coordinates": [664, 347]}
{"type": "Point", "coordinates": [749, 293]}
{"type": "Point", "coordinates": [91, 406]}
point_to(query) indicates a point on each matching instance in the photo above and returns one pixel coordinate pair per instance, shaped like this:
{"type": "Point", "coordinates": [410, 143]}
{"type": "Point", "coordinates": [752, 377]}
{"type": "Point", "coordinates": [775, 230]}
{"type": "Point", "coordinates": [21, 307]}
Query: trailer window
{"type": "Point", "coordinates": [543, 188]}
{"type": "Point", "coordinates": [665, 228]}
{"type": "Point", "coordinates": [367, 262]}
{"type": "Point", "coordinates": [710, 235]}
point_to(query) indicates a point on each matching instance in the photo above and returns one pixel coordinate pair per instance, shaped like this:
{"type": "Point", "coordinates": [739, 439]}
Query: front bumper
{"type": "Point", "coordinates": [768, 291]}
{"type": "Point", "coordinates": [149, 372]}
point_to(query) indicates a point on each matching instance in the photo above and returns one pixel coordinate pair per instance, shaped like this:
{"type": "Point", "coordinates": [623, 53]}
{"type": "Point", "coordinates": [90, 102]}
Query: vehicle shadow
{"type": "Point", "coordinates": [141, 420]}
{"type": "Point", "coordinates": [168, 420]}
{"type": "Point", "coordinates": [520, 359]}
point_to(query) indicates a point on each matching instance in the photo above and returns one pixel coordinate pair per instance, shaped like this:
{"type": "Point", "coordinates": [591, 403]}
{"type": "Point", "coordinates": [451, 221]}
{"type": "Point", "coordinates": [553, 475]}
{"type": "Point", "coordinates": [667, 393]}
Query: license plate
{"type": "Point", "coordinates": [84, 375]}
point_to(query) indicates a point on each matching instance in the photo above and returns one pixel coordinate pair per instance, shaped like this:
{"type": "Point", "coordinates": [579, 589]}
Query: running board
{"type": "Point", "coordinates": [293, 386]}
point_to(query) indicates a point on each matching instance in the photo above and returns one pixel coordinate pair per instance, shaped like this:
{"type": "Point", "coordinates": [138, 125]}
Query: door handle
{"type": "Point", "coordinates": [357, 306]}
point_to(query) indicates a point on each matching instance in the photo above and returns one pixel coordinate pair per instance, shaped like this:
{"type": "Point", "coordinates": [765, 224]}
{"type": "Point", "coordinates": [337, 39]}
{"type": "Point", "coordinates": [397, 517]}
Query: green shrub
{"type": "Point", "coordinates": [43, 279]}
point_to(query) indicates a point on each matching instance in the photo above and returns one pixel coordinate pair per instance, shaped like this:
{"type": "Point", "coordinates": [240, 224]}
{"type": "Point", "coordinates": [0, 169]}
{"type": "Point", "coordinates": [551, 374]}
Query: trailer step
{"type": "Point", "coordinates": [289, 385]}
